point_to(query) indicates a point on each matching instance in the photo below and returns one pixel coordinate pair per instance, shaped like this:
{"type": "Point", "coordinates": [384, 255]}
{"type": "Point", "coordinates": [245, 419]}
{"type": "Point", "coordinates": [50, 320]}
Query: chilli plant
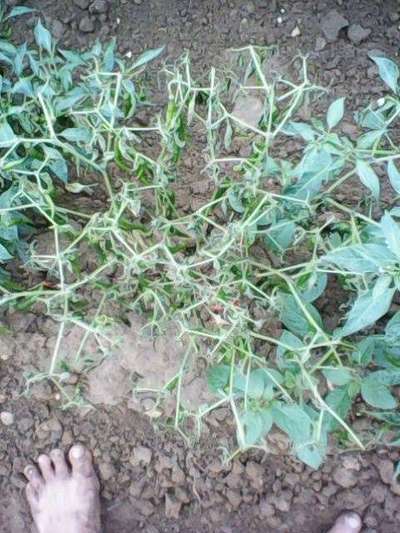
{"type": "Point", "coordinates": [287, 291]}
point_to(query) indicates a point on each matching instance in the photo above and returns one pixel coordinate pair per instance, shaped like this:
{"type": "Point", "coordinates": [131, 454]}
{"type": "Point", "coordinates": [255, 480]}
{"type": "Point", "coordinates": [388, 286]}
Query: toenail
{"type": "Point", "coordinates": [77, 452]}
{"type": "Point", "coordinates": [352, 521]}
{"type": "Point", "coordinates": [29, 471]}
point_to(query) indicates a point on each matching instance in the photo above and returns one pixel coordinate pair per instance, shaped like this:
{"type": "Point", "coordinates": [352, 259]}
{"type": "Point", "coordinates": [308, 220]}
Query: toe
{"type": "Point", "coordinates": [347, 523]}
{"type": "Point", "coordinates": [46, 467]}
{"type": "Point", "coordinates": [81, 461]}
{"type": "Point", "coordinates": [60, 464]}
{"type": "Point", "coordinates": [35, 479]}
{"type": "Point", "coordinates": [32, 496]}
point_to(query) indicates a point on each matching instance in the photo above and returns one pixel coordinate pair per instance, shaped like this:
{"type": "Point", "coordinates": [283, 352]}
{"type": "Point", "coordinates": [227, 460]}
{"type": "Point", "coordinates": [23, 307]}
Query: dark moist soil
{"type": "Point", "coordinates": [152, 481]}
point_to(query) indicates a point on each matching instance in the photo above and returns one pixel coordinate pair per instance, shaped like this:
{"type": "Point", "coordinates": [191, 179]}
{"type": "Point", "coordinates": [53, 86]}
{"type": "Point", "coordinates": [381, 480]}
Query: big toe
{"type": "Point", "coordinates": [81, 461]}
{"type": "Point", "coordinates": [347, 523]}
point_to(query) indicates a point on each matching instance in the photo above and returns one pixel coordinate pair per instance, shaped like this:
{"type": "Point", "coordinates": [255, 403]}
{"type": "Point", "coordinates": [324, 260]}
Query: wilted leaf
{"type": "Point", "coordinates": [367, 310]}
{"type": "Point", "coordinates": [394, 176]}
{"type": "Point", "coordinates": [335, 112]}
{"type": "Point", "coordinates": [42, 36]}
{"type": "Point", "coordinates": [368, 177]}
{"type": "Point", "coordinates": [388, 71]}
{"type": "Point", "coordinates": [147, 56]}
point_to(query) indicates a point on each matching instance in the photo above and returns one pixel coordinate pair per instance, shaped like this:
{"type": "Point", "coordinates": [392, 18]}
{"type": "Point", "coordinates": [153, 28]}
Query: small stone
{"type": "Point", "coordinates": [145, 507]}
{"type": "Point", "coordinates": [142, 455]}
{"type": "Point", "coordinates": [266, 508]}
{"type": "Point", "coordinates": [107, 471]}
{"type": "Point", "coordinates": [138, 2]}
{"type": "Point", "coordinates": [357, 34]}
{"type": "Point", "coordinates": [98, 7]}
{"type": "Point", "coordinates": [7, 418]}
{"type": "Point", "coordinates": [295, 32]}
{"type": "Point", "coordinates": [83, 4]}
{"type": "Point", "coordinates": [279, 20]}
{"type": "Point", "coordinates": [172, 506]}
{"type": "Point", "coordinates": [345, 478]}
{"type": "Point", "coordinates": [331, 25]}
{"type": "Point", "coordinates": [234, 498]}
{"type": "Point", "coordinates": [386, 471]}
{"type": "Point", "coordinates": [86, 25]}
{"type": "Point", "coordinates": [394, 16]}
{"type": "Point", "coordinates": [320, 44]}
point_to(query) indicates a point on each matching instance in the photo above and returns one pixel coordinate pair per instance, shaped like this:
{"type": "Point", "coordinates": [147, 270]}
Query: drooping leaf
{"type": "Point", "coordinates": [42, 36]}
{"type": "Point", "coordinates": [294, 421]}
{"type": "Point", "coordinates": [366, 310]}
{"type": "Point", "coordinates": [4, 254]}
{"type": "Point", "coordinates": [361, 258]}
{"type": "Point", "coordinates": [335, 112]}
{"type": "Point", "coordinates": [19, 10]}
{"type": "Point", "coordinates": [377, 394]}
{"type": "Point", "coordinates": [392, 330]}
{"type": "Point", "coordinates": [394, 176]}
{"type": "Point", "coordinates": [391, 232]}
{"type": "Point", "coordinates": [294, 318]}
{"type": "Point", "coordinates": [280, 235]}
{"type": "Point", "coordinates": [77, 135]}
{"type": "Point", "coordinates": [339, 400]}
{"type": "Point", "coordinates": [256, 425]}
{"type": "Point", "coordinates": [311, 455]}
{"type": "Point", "coordinates": [147, 56]}
{"type": "Point", "coordinates": [368, 177]}
{"type": "Point", "coordinates": [388, 71]}
{"type": "Point", "coordinates": [300, 128]}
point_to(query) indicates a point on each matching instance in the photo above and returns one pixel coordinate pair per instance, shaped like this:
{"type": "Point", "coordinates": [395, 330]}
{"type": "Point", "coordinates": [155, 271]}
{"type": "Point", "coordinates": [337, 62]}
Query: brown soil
{"type": "Point", "coordinates": [152, 480]}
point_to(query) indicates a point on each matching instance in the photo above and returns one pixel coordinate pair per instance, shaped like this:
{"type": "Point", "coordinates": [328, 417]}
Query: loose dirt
{"type": "Point", "coordinates": [152, 480]}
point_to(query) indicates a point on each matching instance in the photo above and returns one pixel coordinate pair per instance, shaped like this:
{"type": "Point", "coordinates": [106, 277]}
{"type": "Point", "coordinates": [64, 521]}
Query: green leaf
{"type": "Point", "coordinates": [388, 71]}
{"type": "Point", "coordinates": [364, 352]}
{"type": "Point", "coordinates": [391, 232]}
{"type": "Point", "coordinates": [42, 36]}
{"type": "Point", "coordinates": [314, 287]}
{"type": "Point", "coordinates": [109, 57]}
{"type": "Point", "coordinates": [361, 258]}
{"type": "Point", "coordinates": [252, 385]}
{"type": "Point", "coordinates": [315, 168]}
{"type": "Point", "coordinates": [367, 310]}
{"type": "Point", "coordinates": [394, 176]}
{"type": "Point", "coordinates": [299, 128]}
{"type": "Point", "coordinates": [335, 112]}
{"type": "Point", "coordinates": [311, 455]}
{"type": "Point", "coordinates": [4, 254]}
{"type": "Point", "coordinates": [294, 421]}
{"type": "Point", "coordinates": [280, 235]}
{"type": "Point", "coordinates": [256, 425]}
{"type": "Point", "coordinates": [368, 177]}
{"type": "Point", "coordinates": [338, 376]}
{"type": "Point", "coordinates": [386, 377]}
{"type": "Point", "coordinates": [235, 201]}
{"type": "Point", "coordinates": [19, 10]}
{"type": "Point", "coordinates": [7, 136]}
{"type": "Point", "coordinates": [339, 400]}
{"type": "Point", "coordinates": [77, 135]}
{"type": "Point", "coordinates": [377, 394]}
{"type": "Point", "coordinates": [218, 377]}
{"type": "Point", "coordinates": [392, 330]}
{"type": "Point", "coordinates": [147, 56]}
{"type": "Point", "coordinates": [294, 318]}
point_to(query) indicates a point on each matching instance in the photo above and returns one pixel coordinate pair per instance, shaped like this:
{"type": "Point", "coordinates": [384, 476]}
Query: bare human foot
{"type": "Point", "coordinates": [64, 498]}
{"type": "Point", "coordinates": [347, 523]}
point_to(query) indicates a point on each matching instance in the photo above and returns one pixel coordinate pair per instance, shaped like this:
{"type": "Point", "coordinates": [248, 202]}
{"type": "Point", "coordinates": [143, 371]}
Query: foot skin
{"type": "Point", "coordinates": [64, 498]}
{"type": "Point", "coordinates": [347, 523]}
